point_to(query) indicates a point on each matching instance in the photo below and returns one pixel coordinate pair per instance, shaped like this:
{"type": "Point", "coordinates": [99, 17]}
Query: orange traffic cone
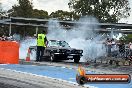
{"type": "Point", "coordinates": [28, 56]}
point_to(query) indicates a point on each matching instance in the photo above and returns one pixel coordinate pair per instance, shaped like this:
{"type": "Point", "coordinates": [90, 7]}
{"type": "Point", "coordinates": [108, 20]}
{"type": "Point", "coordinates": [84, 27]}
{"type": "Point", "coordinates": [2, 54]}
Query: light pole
{"type": "Point", "coordinates": [10, 29]}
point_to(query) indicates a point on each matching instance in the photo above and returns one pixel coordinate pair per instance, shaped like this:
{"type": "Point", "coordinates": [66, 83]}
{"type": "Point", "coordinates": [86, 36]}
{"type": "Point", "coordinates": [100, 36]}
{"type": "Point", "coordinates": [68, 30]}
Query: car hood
{"type": "Point", "coordinates": [34, 47]}
{"type": "Point", "coordinates": [64, 48]}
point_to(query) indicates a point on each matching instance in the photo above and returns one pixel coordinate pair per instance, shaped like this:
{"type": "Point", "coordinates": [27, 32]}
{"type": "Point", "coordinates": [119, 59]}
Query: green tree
{"type": "Point", "coordinates": [0, 10]}
{"type": "Point", "coordinates": [2, 13]}
{"type": "Point", "coordinates": [64, 15]}
{"type": "Point", "coordinates": [126, 38]}
{"type": "Point", "coordinates": [40, 14]}
{"type": "Point", "coordinates": [23, 9]}
{"type": "Point", "coordinates": [104, 10]}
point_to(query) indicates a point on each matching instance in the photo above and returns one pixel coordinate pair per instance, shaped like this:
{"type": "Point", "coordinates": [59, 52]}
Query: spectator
{"type": "Point", "coordinates": [16, 36]}
{"type": "Point", "coordinates": [130, 46]}
{"type": "Point", "coordinates": [0, 38]}
{"type": "Point", "coordinates": [130, 49]}
{"type": "Point", "coordinates": [3, 38]}
{"type": "Point", "coordinates": [121, 48]}
{"type": "Point", "coordinates": [108, 43]}
{"type": "Point", "coordinates": [114, 49]}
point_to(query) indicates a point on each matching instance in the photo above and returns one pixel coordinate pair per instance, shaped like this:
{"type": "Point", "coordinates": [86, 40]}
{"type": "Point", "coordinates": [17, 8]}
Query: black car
{"type": "Point", "coordinates": [60, 50]}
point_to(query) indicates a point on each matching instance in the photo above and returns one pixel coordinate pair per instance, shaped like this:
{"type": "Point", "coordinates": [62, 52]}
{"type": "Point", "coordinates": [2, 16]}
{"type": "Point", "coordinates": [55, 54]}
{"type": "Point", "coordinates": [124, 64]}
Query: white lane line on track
{"type": "Point", "coordinates": [63, 67]}
{"type": "Point", "coordinates": [4, 64]}
{"type": "Point", "coordinates": [74, 83]}
{"type": "Point", "coordinates": [72, 78]}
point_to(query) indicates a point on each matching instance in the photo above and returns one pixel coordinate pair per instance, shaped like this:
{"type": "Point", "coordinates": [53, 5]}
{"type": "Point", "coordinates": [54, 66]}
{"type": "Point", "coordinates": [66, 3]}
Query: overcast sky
{"type": "Point", "coordinates": [48, 5]}
{"type": "Point", "coordinates": [51, 6]}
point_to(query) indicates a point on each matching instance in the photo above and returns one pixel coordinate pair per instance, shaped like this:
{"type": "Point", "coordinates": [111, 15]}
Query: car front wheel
{"type": "Point", "coordinates": [77, 59]}
{"type": "Point", "coordinates": [52, 58]}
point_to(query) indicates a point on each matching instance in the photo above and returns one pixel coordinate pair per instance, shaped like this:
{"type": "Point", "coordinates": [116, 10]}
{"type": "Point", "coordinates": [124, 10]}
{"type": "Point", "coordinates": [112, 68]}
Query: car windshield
{"type": "Point", "coordinates": [58, 43]}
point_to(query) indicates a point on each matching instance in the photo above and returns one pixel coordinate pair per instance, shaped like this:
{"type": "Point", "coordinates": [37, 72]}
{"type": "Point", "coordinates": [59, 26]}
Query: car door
{"type": "Point", "coordinates": [47, 51]}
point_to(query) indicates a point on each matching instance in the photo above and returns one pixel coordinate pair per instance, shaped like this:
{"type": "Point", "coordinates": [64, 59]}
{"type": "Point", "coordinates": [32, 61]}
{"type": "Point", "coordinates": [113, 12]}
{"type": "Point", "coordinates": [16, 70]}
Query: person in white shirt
{"type": "Point", "coordinates": [130, 46]}
{"type": "Point", "coordinates": [130, 50]}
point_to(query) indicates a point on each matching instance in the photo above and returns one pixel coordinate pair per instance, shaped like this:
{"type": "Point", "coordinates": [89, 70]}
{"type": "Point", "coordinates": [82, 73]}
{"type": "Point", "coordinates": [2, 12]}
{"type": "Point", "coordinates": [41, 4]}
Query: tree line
{"type": "Point", "coordinates": [108, 11]}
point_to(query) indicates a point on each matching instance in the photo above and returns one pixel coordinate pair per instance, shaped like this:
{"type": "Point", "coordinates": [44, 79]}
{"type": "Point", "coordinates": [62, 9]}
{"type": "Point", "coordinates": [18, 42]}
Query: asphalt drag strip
{"type": "Point", "coordinates": [60, 74]}
{"type": "Point", "coordinates": [16, 79]}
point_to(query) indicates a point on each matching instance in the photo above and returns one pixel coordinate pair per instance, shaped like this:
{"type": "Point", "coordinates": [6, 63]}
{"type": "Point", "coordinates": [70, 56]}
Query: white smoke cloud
{"type": "Point", "coordinates": [82, 36]}
{"type": "Point", "coordinates": [24, 46]}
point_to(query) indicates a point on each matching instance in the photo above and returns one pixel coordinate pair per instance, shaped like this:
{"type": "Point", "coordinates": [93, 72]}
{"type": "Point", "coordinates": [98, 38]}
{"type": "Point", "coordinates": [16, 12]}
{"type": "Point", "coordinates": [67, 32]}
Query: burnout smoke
{"type": "Point", "coordinates": [84, 35]}
{"type": "Point", "coordinates": [24, 45]}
